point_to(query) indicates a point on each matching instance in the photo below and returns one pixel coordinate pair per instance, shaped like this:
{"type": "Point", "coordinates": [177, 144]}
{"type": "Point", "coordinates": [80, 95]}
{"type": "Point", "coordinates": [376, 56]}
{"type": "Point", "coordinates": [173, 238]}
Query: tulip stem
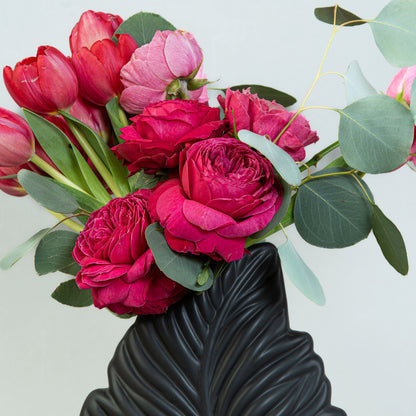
{"type": "Point", "coordinates": [95, 159]}
{"type": "Point", "coordinates": [55, 174]}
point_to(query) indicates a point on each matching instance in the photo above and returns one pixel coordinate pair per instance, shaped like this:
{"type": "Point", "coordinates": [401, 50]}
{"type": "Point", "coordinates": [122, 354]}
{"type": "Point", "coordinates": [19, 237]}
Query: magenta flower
{"type": "Point", "coordinates": [159, 70]}
{"type": "Point", "coordinates": [45, 83]}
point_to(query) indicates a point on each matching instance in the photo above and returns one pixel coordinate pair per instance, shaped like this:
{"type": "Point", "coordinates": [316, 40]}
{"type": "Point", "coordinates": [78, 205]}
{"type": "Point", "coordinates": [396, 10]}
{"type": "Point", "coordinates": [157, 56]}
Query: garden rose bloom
{"type": "Point", "coordinates": [17, 142]}
{"type": "Point", "coordinates": [153, 67]}
{"type": "Point", "coordinates": [93, 26]}
{"type": "Point", "coordinates": [98, 68]}
{"type": "Point", "coordinates": [402, 84]}
{"type": "Point", "coordinates": [116, 262]}
{"type": "Point", "coordinates": [247, 111]}
{"type": "Point", "coordinates": [44, 84]}
{"type": "Point", "coordinates": [156, 136]}
{"type": "Point", "coordinates": [225, 193]}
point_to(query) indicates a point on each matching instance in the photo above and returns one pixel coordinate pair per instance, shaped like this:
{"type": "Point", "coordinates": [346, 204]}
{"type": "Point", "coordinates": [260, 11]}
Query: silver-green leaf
{"type": "Point", "coordinates": [356, 85]}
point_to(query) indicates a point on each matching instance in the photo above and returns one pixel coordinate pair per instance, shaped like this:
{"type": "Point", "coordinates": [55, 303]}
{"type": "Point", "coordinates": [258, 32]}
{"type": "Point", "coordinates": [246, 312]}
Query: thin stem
{"type": "Point", "coordinates": [363, 189]}
{"type": "Point", "coordinates": [349, 172]}
{"type": "Point", "coordinates": [98, 163]}
{"type": "Point", "coordinates": [55, 174]}
{"type": "Point", "coordinates": [67, 221]}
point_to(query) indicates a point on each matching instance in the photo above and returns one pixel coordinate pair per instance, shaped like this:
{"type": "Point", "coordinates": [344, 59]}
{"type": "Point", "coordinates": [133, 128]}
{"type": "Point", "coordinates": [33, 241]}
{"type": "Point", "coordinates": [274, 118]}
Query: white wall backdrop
{"type": "Point", "coordinates": [52, 356]}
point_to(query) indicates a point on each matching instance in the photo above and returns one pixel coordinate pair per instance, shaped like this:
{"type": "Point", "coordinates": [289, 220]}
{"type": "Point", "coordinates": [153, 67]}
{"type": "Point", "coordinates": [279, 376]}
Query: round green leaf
{"type": "Point", "coordinates": [333, 211]}
{"type": "Point", "coordinates": [356, 85]}
{"type": "Point", "coordinates": [69, 294]}
{"type": "Point", "coordinates": [375, 134]}
{"type": "Point", "coordinates": [394, 31]}
{"type": "Point", "coordinates": [326, 15]}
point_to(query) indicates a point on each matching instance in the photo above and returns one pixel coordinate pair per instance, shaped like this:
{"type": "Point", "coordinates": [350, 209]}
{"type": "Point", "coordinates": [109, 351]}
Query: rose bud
{"type": "Point", "coordinates": [44, 84]}
{"type": "Point", "coordinates": [11, 186]}
{"type": "Point", "coordinates": [98, 68]}
{"type": "Point", "coordinates": [156, 137]}
{"type": "Point", "coordinates": [93, 26]}
{"type": "Point", "coordinates": [225, 193]}
{"type": "Point", "coordinates": [116, 262]}
{"type": "Point", "coordinates": [161, 70]}
{"type": "Point", "coordinates": [268, 118]}
{"type": "Point", "coordinates": [401, 84]}
{"type": "Point", "coordinates": [17, 142]}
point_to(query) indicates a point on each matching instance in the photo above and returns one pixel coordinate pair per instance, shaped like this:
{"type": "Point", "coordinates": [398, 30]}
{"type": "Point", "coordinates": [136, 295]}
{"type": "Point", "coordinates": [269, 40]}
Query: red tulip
{"type": "Point", "coordinates": [93, 26]}
{"type": "Point", "coordinates": [43, 84]}
{"type": "Point", "coordinates": [11, 186]}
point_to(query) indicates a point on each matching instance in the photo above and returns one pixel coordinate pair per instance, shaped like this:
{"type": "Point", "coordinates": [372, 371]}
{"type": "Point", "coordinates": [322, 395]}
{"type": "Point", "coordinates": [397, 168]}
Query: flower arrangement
{"type": "Point", "coordinates": [161, 189]}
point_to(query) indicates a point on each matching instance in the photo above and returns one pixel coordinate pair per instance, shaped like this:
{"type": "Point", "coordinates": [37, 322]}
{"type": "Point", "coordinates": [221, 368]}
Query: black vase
{"type": "Point", "coordinates": [226, 352]}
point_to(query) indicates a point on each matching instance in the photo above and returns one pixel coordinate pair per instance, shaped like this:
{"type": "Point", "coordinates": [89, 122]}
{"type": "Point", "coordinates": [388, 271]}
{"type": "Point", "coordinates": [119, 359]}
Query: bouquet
{"type": "Point", "coordinates": [158, 177]}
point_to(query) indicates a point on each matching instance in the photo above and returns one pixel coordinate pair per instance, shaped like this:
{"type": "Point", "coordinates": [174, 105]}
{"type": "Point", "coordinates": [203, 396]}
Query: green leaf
{"type": "Point", "coordinates": [266, 93]}
{"type": "Point", "coordinates": [47, 192]}
{"type": "Point", "coordinates": [326, 15]}
{"type": "Point", "coordinates": [18, 252]}
{"type": "Point", "coordinates": [333, 211]}
{"type": "Point", "coordinates": [390, 241]}
{"type": "Point", "coordinates": [285, 166]}
{"type": "Point", "coordinates": [113, 113]}
{"type": "Point", "coordinates": [339, 162]}
{"type": "Point", "coordinates": [394, 31]}
{"type": "Point", "coordinates": [203, 277]}
{"type": "Point", "coordinates": [68, 293]}
{"type": "Point", "coordinates": [57, 145]}
{"type": "Point", "coordinates": [118, 171]}
{"type": "Point", "coordinates": [413, 101]}
{"type": "Point", "coordinates": [182, 268]}
{"type": "Point", "coordinates": [356, 86]}
{"type": "Point", "coordinates": [143, 26]}
{"type": "Point", "coordinates": [143, 180]}
{"type": "Point", "coordinates": [85, 201]}
{"type": "Point", "coordinates": [54, 253]}
{"type": "Point", "coordinates": [375, 134]}
{"type": "Point", "coordinates": [300, 274]}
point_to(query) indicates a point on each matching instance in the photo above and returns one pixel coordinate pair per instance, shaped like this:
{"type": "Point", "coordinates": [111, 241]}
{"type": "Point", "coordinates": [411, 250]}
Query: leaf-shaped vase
{"type": "Point", "coordinates": [226, 352]}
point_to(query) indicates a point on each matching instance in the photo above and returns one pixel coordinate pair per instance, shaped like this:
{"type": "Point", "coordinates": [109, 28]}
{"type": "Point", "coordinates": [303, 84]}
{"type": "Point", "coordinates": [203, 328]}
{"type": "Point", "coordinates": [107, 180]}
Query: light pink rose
{"type": "Point", "coordinates": [225, 193]}
{"type": "Point", "coordinates": [246, 111]}
{"type": "Point", "coordinates": [116, 262]}
{"type": "Point", "coordinates": [153, 67]}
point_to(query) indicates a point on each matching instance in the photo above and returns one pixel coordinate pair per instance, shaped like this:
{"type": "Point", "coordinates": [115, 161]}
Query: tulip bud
{"type": "Point", "coordinates": [11, 186]}
{"type": "Point", "coordinates": [93, 26]}
{"type": "Point", "coordinates": [44, 84]}
{"type": "Point", "coordinates": [16, 139]}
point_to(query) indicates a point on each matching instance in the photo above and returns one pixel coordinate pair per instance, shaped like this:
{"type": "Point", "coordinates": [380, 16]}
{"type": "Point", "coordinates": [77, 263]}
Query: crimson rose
{"type": "Point", "coordinates": [156, 136]}
{"type": "Point", "coordinates": [116, 262]}
{"type": "Point", "coordinates": [226, 192]}
{"type": "Point", "coordinates": [246, 111]}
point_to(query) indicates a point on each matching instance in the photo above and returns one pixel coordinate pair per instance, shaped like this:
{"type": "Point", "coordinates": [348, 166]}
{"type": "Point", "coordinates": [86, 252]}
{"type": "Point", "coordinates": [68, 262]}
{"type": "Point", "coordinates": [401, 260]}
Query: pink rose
{"type": "Point", "coordinates": [116, 262]}
{"type": "Point", "coordinates": [156, 70]}
{"type": "Point", "coordinates": [247, 111]}
{"type": "Point", "coordinates": [156, 136]}
{"type": "Point", "coordinates": [225, 193]}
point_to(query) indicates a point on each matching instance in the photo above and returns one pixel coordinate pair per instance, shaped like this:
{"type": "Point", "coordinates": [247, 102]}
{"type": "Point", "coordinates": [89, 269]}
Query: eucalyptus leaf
{"type": "Point", "coordinates": [57, 145]}
{"type": "Point", "coordinates": [118, 171]}
{"type": "Point", "coordinates": [281, 160]}
{"type": "Point", "coordinates": [18, 252]}
{"type": "Point", "coordinates": [54, 253]}
{"type": "Point", "coordinates": [333, 211]}
{"type": "Point", "coordinates": [113, 109]}
{"type": "Point", "coordinates": [356, 85]}
{"type": "Point", "coordinates": [300, 274]}
{"type": "Point", "coordinates": [375, 134]}
{"type": "Point", "coordinates": [47, 192]}
{"type": "Point", "coordinates": [390, 241]}
{"type": "Point", "coordinates": [326, 15]}
{"type": "Point", "coordinates": [68, 293]}
{"type": "Point", "coordinates": [182, 268]}
{"type": "Point", "coordinates": [339, 162]}
{"type": "Point", "coordinates": [266, 93]}
{"type": "Point", "coordinates": [85, 201]}
{"type": "Point", "coordinates": [394, 31]}
{"type": "Point", "coordinates": [413, 101]}
{"type": "Point", "coordinates": [143, 26]}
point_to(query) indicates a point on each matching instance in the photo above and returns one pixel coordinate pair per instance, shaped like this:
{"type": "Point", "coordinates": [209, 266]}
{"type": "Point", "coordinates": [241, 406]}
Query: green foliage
{"type": "Point", "coordinates": [413, 101]}
{"type": "Point", "coordinates": [182, 268]}
{"type": "Point", "coordinates": [375, 134]}
{"type": "Point", "coordinates": [390, 241]}
{"type": "Point", "coordinates": [333, 211]}
{"type": "Point", "coordinates": [69, 294]}
{"type": "Point", "coordinates": [266, 93]}
{"type": "Point", "coordinates": [54, 253]}
{"type": "Point", "coordinates": [394, 31]}
{"type": "Point", "coordinates": [112, 108]}
{"type": "Point", "coordinates": [326, 15]}
{"type": "Point", "coordinates": [143, 26]}
{"type": "Point", "coordinates": [300, 274]}
{"type": "Point", "coordinates": [356, 85]}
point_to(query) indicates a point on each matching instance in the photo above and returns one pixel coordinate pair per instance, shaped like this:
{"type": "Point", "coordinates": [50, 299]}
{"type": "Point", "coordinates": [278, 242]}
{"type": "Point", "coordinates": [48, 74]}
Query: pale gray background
{"type": "Point", "coordinates": [51, 355]}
